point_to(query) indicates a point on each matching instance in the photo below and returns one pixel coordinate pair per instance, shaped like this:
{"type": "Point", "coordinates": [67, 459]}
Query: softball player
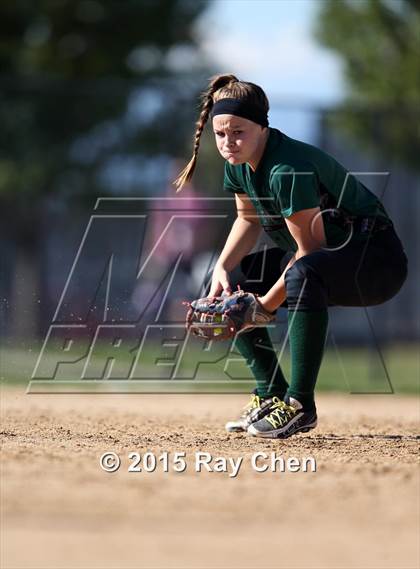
{"type": "Point", "coordinates": [336, 246]}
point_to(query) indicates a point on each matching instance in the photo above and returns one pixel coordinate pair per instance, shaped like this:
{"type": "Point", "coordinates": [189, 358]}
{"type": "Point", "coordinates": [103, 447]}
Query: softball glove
{"type": "Point", "coordinates": [222, 317]}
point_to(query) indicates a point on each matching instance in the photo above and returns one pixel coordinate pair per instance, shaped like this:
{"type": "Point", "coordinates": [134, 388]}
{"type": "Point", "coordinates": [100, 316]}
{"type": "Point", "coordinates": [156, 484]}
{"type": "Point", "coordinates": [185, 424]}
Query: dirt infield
{"type": "Point", "coordinates": [60, 510]}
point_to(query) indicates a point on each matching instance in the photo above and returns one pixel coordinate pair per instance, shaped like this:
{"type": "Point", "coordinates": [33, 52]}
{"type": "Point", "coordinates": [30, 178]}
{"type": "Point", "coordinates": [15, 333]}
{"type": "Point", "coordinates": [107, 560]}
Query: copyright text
{"type": "Point", "coordinates": [202, 461]}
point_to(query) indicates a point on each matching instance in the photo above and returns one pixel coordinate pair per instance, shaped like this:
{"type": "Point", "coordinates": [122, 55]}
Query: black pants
{"type": "Point", "coordinates": [362, 273]}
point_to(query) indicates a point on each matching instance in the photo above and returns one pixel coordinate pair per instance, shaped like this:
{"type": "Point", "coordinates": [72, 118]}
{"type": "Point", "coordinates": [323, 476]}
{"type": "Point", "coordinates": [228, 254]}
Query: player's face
{"type": "Point", "coordinates": [238, 140]}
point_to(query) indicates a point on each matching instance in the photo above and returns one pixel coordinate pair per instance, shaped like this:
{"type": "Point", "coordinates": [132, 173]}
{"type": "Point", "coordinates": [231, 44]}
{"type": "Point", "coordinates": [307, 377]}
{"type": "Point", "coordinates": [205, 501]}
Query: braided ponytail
{"type": "Point", "coordinates": [217, 82]}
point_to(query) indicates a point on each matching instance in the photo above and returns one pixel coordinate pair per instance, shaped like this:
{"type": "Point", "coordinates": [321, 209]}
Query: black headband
{"type": "Point", "coordinates": [240, 108]}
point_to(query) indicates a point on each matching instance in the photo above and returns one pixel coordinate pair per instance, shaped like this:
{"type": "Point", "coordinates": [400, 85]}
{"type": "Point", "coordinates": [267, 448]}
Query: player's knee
{"type": "Point", "coordinates": [304, 286]}
{"type": "Point", "coordinates": [300, 271]}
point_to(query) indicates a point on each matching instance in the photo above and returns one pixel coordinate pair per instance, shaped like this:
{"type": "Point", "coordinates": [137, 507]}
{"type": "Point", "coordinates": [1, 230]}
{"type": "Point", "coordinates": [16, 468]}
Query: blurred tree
{"type": "Point", "coordinates": [85, 87]}
{"type": "Point", "coordinates": [82, 80]}
{"type": "Point", "coordinates": [379, 41]}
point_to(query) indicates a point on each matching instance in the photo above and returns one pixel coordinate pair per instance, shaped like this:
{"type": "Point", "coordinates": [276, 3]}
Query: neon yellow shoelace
{"type": "Point", "coordinates": [280, 414]}
{"type": "Point", "coordinates": [255, 402]}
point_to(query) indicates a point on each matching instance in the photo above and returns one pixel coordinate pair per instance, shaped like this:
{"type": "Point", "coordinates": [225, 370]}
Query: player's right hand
{"type": "Point", "coordinates": [220, 282]}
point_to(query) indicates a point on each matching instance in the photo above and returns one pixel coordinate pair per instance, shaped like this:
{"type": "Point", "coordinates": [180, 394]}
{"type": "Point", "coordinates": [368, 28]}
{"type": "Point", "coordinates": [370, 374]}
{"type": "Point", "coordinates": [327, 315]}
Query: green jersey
{"type": "Point", "coordinates": [292, 176]}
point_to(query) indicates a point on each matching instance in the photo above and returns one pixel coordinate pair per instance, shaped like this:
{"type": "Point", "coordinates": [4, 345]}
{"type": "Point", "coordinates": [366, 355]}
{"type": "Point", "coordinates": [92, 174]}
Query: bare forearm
{"type": "Point", "coordinates": [307, 230]}
{"type": "Point", "coordinates": [242, 238]}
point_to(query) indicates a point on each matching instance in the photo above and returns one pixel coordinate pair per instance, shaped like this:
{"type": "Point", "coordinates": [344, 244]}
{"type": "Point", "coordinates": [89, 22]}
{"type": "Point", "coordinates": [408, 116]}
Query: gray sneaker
{"type": "Point", "coordinates": [255, 410]}
{"type": "Point", "coordinates": [283, 420]}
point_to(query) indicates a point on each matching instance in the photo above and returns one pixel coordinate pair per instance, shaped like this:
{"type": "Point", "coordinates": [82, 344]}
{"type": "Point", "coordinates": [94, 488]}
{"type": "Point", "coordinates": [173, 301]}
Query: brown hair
{"type": "Point", "coordinates": [220, 87]}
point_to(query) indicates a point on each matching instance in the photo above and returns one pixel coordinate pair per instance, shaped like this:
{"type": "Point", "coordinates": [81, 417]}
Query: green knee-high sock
{"type": "Point", "coordinates": [257, 349]}
{"type": "Point", "coordinates": [307, 334]}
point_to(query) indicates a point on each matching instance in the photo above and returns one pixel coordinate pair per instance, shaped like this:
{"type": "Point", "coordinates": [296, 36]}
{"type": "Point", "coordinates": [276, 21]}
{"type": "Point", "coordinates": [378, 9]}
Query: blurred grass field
{"type": "Point", "coordinates": [395, 368]}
